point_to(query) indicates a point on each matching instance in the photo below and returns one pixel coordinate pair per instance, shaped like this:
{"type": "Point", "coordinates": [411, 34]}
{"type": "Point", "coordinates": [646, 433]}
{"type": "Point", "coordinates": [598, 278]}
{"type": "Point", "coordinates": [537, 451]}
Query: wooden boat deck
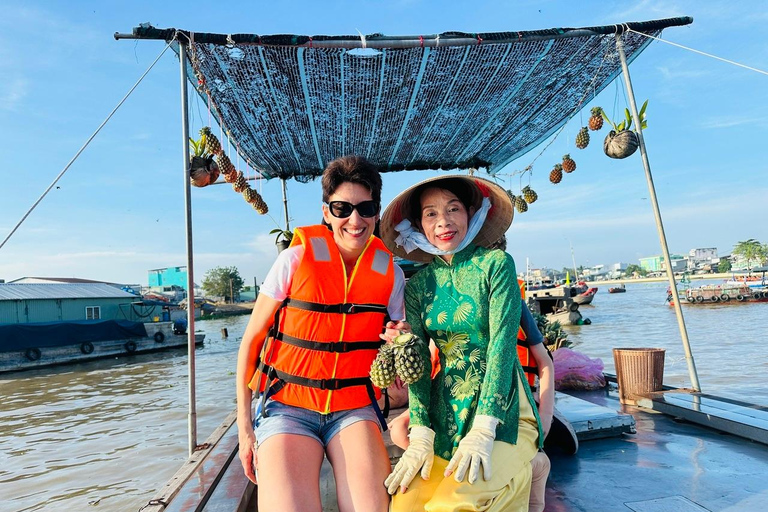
{"type": "Point", "coordinates": [670, 464]}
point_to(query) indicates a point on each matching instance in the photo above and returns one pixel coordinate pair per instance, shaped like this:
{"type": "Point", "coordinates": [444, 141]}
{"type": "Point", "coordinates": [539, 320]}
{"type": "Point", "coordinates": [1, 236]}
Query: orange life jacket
{"type": "Point", "coordinates": [326, 333]}
{"type": "Point", "coordinates": [523, 349]}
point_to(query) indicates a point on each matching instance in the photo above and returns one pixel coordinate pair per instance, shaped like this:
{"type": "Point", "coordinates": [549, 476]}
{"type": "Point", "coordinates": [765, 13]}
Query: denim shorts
{"type": "Point", "coordinates": [287, 419]}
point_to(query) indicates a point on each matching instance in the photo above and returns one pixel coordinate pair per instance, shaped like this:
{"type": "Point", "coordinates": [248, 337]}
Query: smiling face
{"type": "Point", "coordinates": [444, 219]}
{"type": "Point", "coordinates": [352, 233]}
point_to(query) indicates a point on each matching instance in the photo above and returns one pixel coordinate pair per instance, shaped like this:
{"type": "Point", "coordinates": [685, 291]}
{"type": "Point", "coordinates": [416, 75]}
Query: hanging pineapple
{"type": "Point", "coordinates": [259, 205]}
{"type": "Point", "coordinates": [529, 195]}
{"type": "Point", "coordinates": [596, 120]}
{"type": "Point", "coordinates": [232, 177]}
{"type": "Point", "coordinates": [520, 204]}
{"type": "Point", "coordinates": [240, 184]}
{"type": "Point", "coordinates": [225, 164]}
{"type": "Point", "coordinates": [409, 364]}
{"type": "Point", "coordinates": [383, 367]}
{"type": "Point", "coordinates": [582, 138]}
{"type": "Point", "coordinates": [556, 175]}
{"type": "Point", "coordinates": [569, 165]}
{"type": "Point", "coordinates": [212, 144]}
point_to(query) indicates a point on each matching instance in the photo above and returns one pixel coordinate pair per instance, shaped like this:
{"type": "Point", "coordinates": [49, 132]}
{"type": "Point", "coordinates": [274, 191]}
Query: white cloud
{"type": "Point", "coordinates": [728, 122]}
{"type": "Point", "coordinates": [12, 93]}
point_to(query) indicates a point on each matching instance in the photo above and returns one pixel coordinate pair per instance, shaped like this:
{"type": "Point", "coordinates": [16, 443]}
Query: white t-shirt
{"type": "Point", "coordinates": [278, 281]}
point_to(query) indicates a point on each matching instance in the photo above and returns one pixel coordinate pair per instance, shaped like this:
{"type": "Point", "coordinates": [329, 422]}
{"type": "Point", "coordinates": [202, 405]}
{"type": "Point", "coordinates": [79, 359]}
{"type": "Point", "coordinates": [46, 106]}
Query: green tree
{"type": "Point", "coordinates": [724, 265]}
{"type": "Point", "coordinates": [632, 268]}
{"type": "Point", "coordinates": [223, 282]}
{"type": "Point", "coordinates": [751, 250]}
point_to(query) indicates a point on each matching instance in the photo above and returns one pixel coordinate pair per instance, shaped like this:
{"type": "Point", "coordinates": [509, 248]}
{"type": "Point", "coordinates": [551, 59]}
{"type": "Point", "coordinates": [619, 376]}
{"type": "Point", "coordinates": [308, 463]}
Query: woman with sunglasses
{"type": "Point", "coordinates": [314, 332]}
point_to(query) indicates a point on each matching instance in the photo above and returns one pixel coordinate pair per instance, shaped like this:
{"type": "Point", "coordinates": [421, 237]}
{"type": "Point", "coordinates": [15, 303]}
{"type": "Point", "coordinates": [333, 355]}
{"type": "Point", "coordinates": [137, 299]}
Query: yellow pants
{"type": "Point", "coordinates": [508, 489]}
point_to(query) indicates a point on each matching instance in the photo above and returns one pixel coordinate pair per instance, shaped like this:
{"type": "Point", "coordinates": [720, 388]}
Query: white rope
{"type": "Point", "coordinates": [82, 148]}
{"type": "Point", "coordinates": [701, 53]}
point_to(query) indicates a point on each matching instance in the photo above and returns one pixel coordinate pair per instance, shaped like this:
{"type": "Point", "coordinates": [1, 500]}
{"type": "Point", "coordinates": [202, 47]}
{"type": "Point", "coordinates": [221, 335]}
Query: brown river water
{"type": "Point", "coordinates": [105, 435]}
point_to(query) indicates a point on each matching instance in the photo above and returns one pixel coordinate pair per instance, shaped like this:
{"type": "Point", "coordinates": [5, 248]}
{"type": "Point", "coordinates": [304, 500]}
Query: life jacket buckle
{"type": "Point", "coordinates": [339, 346]}
{"type": "Point", "coordinates": [330, 384]}
{"type": "Point", "coordinates": [348, 309]}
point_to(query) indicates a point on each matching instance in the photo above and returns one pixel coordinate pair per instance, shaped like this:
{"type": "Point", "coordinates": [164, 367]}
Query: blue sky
{"type": "Point", "coordinates": [119, 210]}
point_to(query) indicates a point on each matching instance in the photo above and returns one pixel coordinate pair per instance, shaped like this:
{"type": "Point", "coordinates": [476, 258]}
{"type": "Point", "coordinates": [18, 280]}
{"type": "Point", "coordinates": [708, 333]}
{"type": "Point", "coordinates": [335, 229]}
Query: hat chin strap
{"type": "Point", "coordinates": [411, 239]}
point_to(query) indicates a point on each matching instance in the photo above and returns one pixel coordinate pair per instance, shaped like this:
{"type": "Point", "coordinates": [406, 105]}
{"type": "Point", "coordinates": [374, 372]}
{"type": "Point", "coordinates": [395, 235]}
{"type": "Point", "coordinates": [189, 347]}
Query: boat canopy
{"type": "Point", "coordinates": [455, 100]}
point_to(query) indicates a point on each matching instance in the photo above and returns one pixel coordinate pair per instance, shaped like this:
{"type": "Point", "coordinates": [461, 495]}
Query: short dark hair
{"type": "Point", "coordinates": [351, 169]}
{"type": "Point", "coordinates": [456, 186]}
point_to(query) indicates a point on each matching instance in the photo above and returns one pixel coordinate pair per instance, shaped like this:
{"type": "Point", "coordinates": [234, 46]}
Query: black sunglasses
{"type": "Point", "coordinates": [343, 209]}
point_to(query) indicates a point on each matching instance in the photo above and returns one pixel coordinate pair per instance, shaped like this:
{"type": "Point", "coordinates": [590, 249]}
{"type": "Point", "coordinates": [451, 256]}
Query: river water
{"type": "Point", "coordinates": [105, 435]}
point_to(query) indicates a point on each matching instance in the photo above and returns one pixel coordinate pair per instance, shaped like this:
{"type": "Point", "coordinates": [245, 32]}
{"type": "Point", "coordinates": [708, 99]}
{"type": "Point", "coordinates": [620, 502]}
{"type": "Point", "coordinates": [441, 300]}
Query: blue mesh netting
{"type": "Point", "coordinates": [294, 108]}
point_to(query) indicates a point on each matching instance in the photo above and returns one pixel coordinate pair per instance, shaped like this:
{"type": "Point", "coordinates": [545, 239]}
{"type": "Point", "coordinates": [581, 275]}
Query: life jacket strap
{"type": "Point", "coordinates": [324, 384]}
{"type": "Point", "coordinates": [331, 346]}
{"type": "Point", "coordinates": [346, 308]}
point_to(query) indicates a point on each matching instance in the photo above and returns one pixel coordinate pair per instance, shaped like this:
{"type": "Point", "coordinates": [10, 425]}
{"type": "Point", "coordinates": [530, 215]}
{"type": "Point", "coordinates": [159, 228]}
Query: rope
{"type": "Point", "coordinates": [700, 52]}
{"type": "Point", "coordinates": [66, 168]}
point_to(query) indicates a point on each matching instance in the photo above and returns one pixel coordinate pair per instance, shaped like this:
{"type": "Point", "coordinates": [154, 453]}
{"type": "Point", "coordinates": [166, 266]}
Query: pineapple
{"type": "Point", "coordinates": [568, 164]}
{"type": "Point", "coordinates": [520, 204]}
{"type": "Point", "coordinates": [582, 138]}
{"type": "Point", "coordinates": [225, 164]}
{"type": "Point", "coordinates": [557, 174]}
{"type": "Point", "coordinates": [596, 120]}
{"type": "Point", "coordinates": [240, 184]}
{"type": "Point", "coordinates": [249, 194]}
{"type": "Point", "coordinates": [232, 177]}
{"type": "Point", "coordinates": [212, 144]}
{"type": "Point", "coordinates": [259, 205]}
{"type": "Point", "coordinates": [409, 364]}
{"type": "Point", "coordinates": [529, 195]}
{"type": "Point", "coordinates": [512, 197]}
{"type": "Point", "coordinates": [383, 367]}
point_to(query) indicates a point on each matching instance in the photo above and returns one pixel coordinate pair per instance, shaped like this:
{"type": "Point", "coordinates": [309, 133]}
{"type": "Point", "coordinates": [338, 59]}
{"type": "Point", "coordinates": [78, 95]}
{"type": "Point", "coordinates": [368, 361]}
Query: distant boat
{"type": "Point", "coordinates": [34, 345]}
{"type": "Point", "coordinates": [585, 297]}
{"type": "Point", "coordinates": [617, 289]}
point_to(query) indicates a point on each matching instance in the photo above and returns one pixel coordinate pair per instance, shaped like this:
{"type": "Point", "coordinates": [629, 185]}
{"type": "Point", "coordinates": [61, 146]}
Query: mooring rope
{"type": "Point", "coordinates": [700, 52]}
{"type": "Point", "coordinates": [66, 168]}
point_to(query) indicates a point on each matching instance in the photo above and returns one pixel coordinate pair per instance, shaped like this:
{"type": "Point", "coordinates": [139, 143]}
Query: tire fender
{"type": "Point", "coordinates": [86, 348]}
{"type": "Point", "coordinates": [33, 354]}
{"type": "Point", "coordinates": [159, 337]}
{"type": "Point", "coordinates": [130, 347]}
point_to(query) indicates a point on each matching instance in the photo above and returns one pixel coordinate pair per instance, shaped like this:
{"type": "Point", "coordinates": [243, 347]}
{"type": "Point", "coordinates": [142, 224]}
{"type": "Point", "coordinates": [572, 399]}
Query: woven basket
{"type": "Point", "coordinates": [620, 145]}
{"type": "Point", "coordinates": [639, 371]}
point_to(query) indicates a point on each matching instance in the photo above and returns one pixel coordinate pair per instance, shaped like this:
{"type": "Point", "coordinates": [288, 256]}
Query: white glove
{"type": "Point", "coordinates": [474, 449]}
{"type": "Point", "coordinates": [419, 455]}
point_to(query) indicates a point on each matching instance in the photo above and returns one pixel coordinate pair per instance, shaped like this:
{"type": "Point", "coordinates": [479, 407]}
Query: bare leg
{"type": "Point", "coordinates": [360, 466]}
{"type": "Point", "coordinates": [289, 473]}
{"type": "Point", "coordinates": [540, 471]}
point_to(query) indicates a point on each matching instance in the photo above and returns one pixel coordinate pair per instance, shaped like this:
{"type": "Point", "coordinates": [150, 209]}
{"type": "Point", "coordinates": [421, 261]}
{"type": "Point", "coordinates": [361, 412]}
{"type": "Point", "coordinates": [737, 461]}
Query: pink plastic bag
{"type": "Point", "coordinates": [574, 370]}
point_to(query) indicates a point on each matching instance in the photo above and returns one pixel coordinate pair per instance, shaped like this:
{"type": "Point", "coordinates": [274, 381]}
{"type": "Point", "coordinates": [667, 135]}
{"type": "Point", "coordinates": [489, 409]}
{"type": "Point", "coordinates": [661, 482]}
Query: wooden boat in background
{"type": "Point", "coordinates": [617, 289]}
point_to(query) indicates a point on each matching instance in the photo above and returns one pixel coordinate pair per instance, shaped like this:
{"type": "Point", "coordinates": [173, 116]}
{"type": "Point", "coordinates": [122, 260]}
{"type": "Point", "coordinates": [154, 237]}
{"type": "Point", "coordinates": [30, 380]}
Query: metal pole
{"type": "Point", "coordinates": [657, 214]}
{"type": "Point", "coordinates": [285, 206]}
{"type": "Point", "coordinates": [192, 416]}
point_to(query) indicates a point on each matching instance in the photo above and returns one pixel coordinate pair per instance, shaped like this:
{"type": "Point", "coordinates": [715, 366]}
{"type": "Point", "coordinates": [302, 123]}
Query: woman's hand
{"type": "Point", "coordinates": [474, 450]}
{"type": "Point", "coordinates": [419, 455]}
{"type": "Point", "coordinates": [394, 329]}
{"type": "Point", "coordinates": [247, 449]}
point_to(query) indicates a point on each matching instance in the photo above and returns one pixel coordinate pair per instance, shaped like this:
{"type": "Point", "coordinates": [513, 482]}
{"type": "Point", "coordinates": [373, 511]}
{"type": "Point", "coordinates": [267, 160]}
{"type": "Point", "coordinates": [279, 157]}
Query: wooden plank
{"type": "Point", "coordinates": [162, 500]}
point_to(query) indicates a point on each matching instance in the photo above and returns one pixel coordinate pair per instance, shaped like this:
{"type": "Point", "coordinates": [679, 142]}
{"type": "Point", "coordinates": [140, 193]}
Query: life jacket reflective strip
{"type": "Point", "coordinates": [326, 334]}
{"type": "Point", "coordinates": [523, 350]}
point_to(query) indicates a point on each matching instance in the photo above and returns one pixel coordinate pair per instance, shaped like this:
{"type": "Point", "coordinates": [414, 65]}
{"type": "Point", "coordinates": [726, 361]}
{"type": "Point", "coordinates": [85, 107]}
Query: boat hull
{"type": "Point", "coordinates": [159, 337]}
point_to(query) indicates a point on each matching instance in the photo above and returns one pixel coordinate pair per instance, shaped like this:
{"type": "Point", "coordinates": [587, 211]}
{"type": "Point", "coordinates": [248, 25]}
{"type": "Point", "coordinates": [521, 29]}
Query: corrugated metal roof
{"type": "Point", "coordinates": [12, 291]}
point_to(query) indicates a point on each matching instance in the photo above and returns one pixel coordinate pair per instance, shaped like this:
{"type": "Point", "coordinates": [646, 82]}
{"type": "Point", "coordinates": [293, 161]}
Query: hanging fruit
{"type": "Point", "coordinates": [556, 175]}
{"type": "Point", "coordinates": [569, 165]}
{"type": "Point", "coordinates": [582, 138]}
{"type": "Point", "coordinates": [212, 144]}
{"type": "Point", "coordinates": [529, 195]}
{"type": "Point", "coordinates": [596, 120]}
{"type": "Point", "coordinates": [520, 204]}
